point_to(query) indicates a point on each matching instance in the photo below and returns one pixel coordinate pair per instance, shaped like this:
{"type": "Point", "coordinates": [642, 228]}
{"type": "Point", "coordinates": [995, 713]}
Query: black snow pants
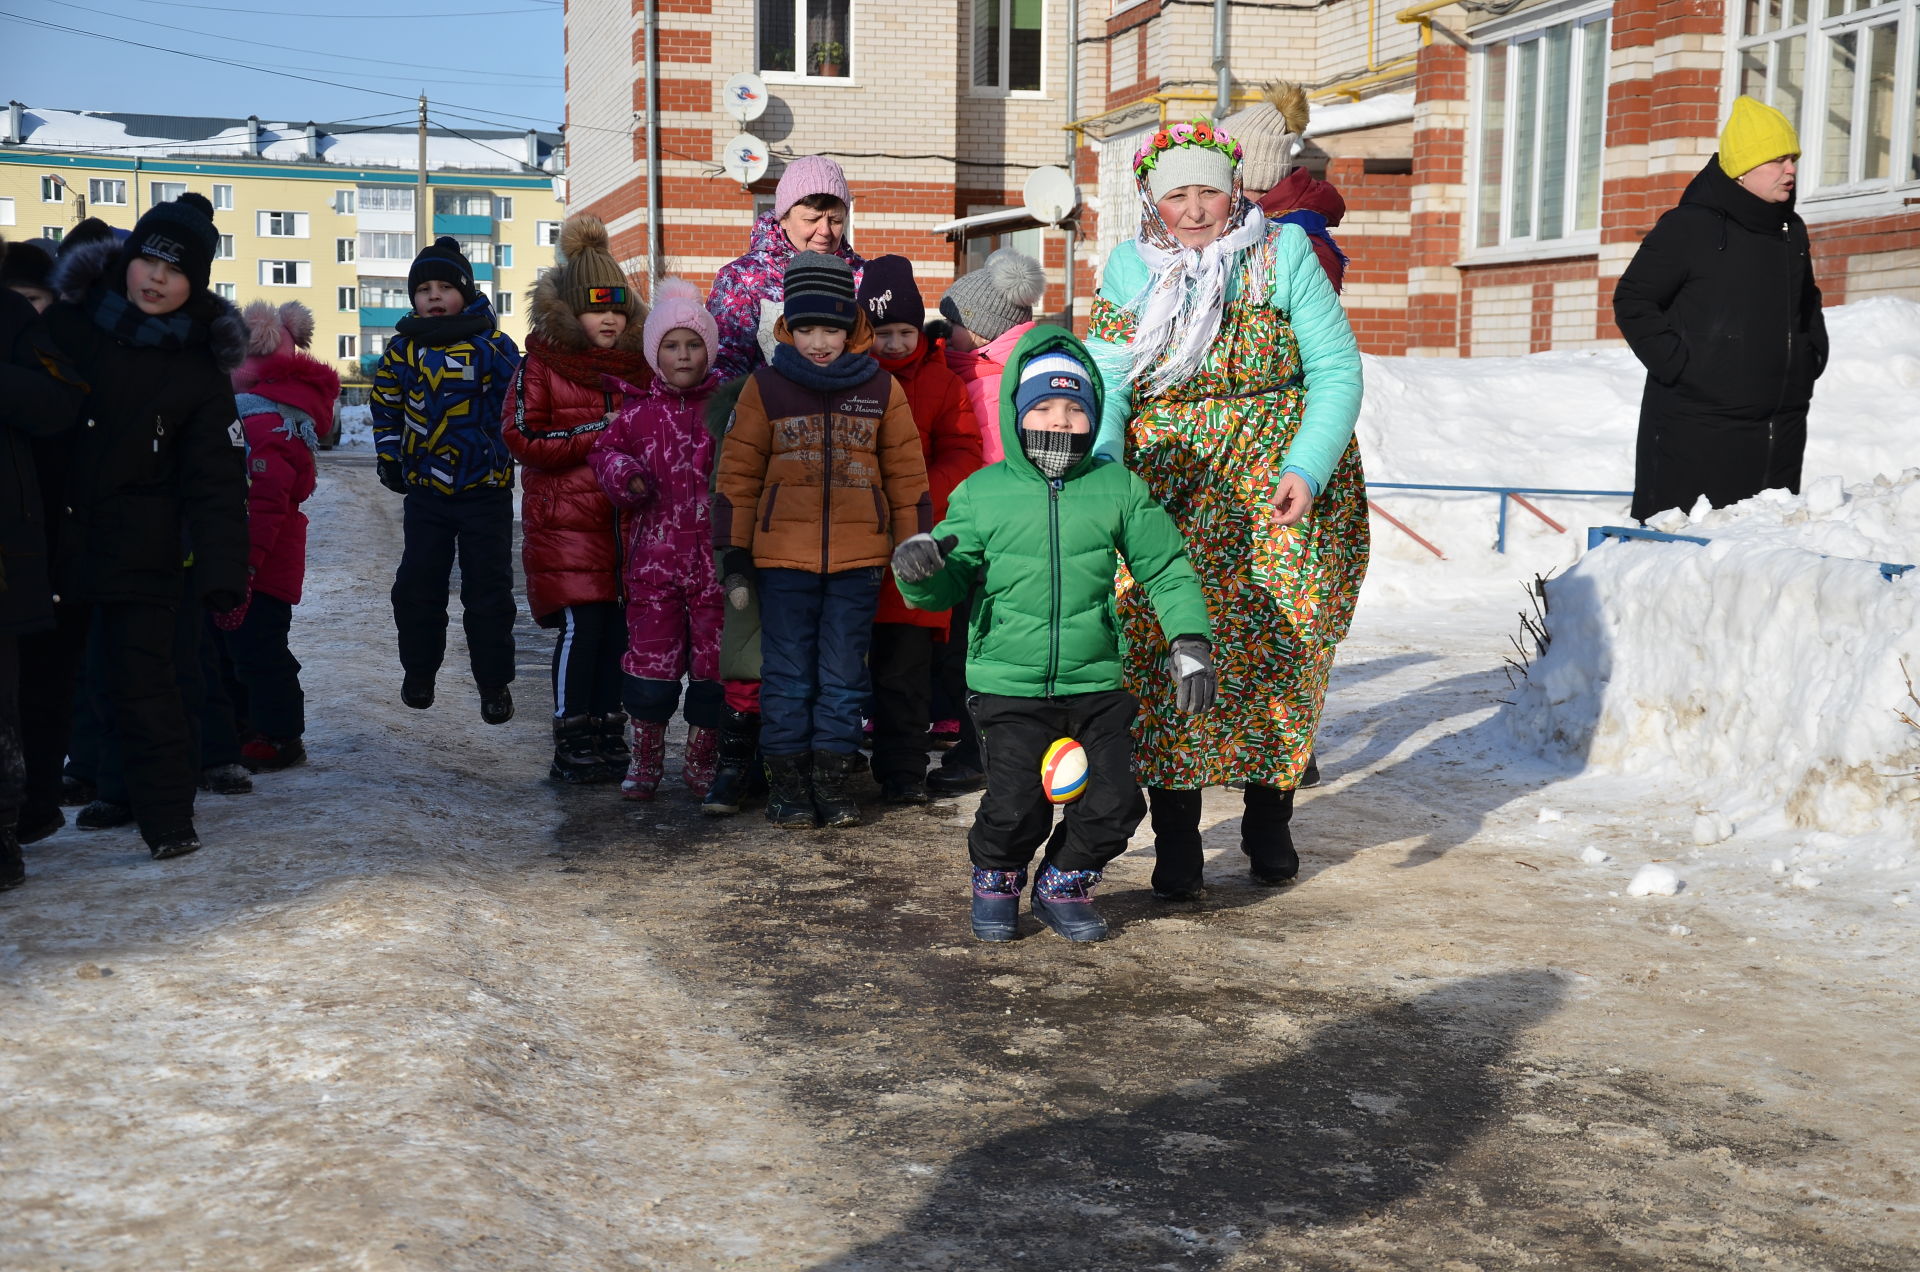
{"type": "Point", "coordinates": [1015, 817]}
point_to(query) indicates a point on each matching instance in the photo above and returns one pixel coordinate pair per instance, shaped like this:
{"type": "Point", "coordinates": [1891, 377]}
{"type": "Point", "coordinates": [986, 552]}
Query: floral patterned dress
{"type": "Point", "coordinates": [1279, 597]}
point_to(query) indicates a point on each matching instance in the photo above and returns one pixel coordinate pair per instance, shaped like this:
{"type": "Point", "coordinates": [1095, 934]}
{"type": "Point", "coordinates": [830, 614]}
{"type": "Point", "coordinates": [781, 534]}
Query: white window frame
{"type": "Point", "coordinates": [503, 207]}
{"type": "Point", "coordinates": [343, 250]}
{"type": "Point", "coordinates": [386, 194]}
{"type": "Point", "coordinates": [1817, 32]}
{"type": "Point", "coordinates": [389, 293]}
{"type": "Point", "coordinates": [384, 239]}
{"type": "Point", "coordinates": [503, 302]}
{"type": "Point", "coordinates": [53, 233]}
{"type": "Point", "coordinates": [222, 197]}
{"type": "Point", "coordinates": [546, 233]}
{"type": "Point", "coordinates": [800, 50]}
{"type": "Point", "coordinates": [155, 198]}
{"type": "Point", "coordinates": [1500, 39]}
{"type": "Point", "coordinates": [52, 190]}
{"type": "Point", "coordinates": [223, 248]}
{"type": "Point", "coordinates": [9, 215]}
{"type": "Point", "coordinates": [226, 291]}
{"type": "Point", "coordinates": [344, 201]}
{"type": "Point", "coordinates": [347, 346]}
{"type": "Point", "coordinates": [273, 273]}
{"type": "Point", "coordinates": [503, 253]}
{"type": "Point", "coordinates": [1003, 72]}
{"type": "Point", "coordinates": [281, 225]}
{"type": "Point", "coordinates": [112, 185]}
{"type": "Point", "coordinates": [347, 299]}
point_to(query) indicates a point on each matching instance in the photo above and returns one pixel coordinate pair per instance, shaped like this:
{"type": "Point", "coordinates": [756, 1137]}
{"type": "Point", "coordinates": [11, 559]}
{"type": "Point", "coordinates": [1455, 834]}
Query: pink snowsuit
{"type": "Point", "coordinates": [673, 599]}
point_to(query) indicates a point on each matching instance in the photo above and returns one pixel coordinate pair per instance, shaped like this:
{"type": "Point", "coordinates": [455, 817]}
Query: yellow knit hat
{"type": "Point", "coordinates": [1756, 133]}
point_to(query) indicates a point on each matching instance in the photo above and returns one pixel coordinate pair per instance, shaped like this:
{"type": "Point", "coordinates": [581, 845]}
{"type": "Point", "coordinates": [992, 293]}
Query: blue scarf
{"type": "Point", "coordinates": [120, 317]}
{"type": "Point", "coordinates": [294, 421]}
{"type": "Point", "coordinates": [847, 371]}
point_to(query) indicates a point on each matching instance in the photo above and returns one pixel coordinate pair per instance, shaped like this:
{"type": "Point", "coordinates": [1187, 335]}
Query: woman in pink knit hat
{"type": "Point", "coordinates": [810, 207]}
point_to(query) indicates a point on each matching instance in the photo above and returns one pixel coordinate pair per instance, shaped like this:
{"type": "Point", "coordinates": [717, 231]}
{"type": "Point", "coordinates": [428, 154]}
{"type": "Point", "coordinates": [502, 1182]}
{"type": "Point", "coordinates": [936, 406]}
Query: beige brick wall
{"type": "Point", "coordinates": [1884, 274]}
{"type": "Point", "coordinates": [1502, 321]}
{"type": "Point", "coordinates": [1575, 314]}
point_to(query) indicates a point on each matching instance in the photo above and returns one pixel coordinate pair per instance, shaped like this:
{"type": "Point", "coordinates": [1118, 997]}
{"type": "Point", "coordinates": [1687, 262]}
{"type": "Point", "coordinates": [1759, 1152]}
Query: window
{"type": "Point", "coordinates": [343, 201]}
{"type": "Point", "coordinates": [343, 249]}
{"type": "Point", "coordinates": [223, 250]}
{"type": "Point", "coordinates": [283, 224]}
{"type": "Point", "coordinates": [1541, 111]}
{"type": "Point", "coordinates": [165, 191]}
{"type": "Point", "coordinates": [462, 203]}
{"type": "Point", "coordinates": [222, 198]}
{"type": "Point", "coordinates": [225, 291]}
{"type": "Point", "coordinates": [377, 342]}
{"type": "Point", "coordinates": [101, 190]}
{"type": "Point", "coordinates": [504, 256]}
{"type": "Point", "coordinates": [349, 347]}
{"type": "Point", "coordinates": [1835, 68]}
{"type": "Point", "coordinates": [384, 293]}
{"type": "Point", "coordinates": [285, 273]}
{"type": "Point", "coordinates": [807, 37]}
{"type": "Point", "coordinates": [6, 211]}
{"type": "Point", "coordinates": [503, 208]}
{"type": "Point", "coordinates": [1027, 242]}
{"type": "Point", "coordinates": [53, 190]}
{"type": "Point", "coordinates": [546, 233]}
{"type": "Point", "coordinates": [1007, 44]}
{"type": "Point", "coordinates": [376, 245]}
{"type": "Point", "coordinates": [346, 298]}
{"type": "Point", "coordinates": [53, 232]}
{"type": "Point", "coordinates": [386, 198]}
{"type": "Point", "coordinates": [477, 250]}
{"type": "Point", "coordinates": [503, 303]}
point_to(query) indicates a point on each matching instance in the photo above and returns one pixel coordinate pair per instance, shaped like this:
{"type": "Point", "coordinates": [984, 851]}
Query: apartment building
{"type": "Point", "coordinates": [323, 214]}
{"type": "Point", "coordinates": [1500, 161]}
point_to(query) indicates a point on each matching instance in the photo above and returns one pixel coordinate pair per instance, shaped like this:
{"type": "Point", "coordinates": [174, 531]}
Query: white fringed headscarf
{"type": "Point", "coordinates": [1180, 310]}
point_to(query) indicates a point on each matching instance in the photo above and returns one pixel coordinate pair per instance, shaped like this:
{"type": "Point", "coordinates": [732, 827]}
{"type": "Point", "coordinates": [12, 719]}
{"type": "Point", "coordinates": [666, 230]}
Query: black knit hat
{"type": "Point", "coordinates": [26, 264]}
{"type": "Point", "coordinates": [180, 233]}
{"type": "Point", "coordinates": [889, 294]}
{"type": "Point", "coordinates": [820, 292]}
{"type": "Point", "coordinates": [443, 262]}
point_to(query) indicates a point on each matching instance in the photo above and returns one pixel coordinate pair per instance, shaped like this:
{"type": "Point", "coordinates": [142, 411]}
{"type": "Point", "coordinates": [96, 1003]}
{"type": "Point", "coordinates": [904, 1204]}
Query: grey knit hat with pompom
{"type": "Point", "coordinates": [997, 297]}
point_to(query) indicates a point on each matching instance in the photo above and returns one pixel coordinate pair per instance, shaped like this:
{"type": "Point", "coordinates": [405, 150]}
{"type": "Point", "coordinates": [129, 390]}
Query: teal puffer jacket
{"type": "Point", "coordinates": [1044, 624]}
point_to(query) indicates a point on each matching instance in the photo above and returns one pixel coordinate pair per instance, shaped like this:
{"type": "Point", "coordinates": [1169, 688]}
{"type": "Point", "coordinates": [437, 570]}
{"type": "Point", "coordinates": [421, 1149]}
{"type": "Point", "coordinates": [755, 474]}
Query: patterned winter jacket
{"type": "Point", "coordinates": [743, 283]}
{"type": "Point", "coordinates": [438, 398]}
{"type": "Point", "coordinates": [821, 469]}
{"type": "Point", "coordinates": [659, 436]}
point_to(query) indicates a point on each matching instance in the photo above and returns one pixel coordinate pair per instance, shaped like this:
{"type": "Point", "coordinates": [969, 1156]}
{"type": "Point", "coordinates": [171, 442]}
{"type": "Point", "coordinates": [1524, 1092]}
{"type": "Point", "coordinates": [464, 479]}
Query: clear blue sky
{"type": "Point", "coordinates": [496, 58]}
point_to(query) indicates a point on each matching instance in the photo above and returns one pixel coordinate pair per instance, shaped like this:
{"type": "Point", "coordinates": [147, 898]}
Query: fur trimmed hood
{"type": "Point", "coordinates": [291, 378]}
{"type": "Point", "coordinates": [553, 320]}
{"type": "Point", "coordinates": [77, 269]}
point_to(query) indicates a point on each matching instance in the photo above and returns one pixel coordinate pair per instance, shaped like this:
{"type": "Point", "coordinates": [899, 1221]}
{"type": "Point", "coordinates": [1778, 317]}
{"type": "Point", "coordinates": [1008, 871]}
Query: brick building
{"type": "Point", "coordinates": [1500, 160]}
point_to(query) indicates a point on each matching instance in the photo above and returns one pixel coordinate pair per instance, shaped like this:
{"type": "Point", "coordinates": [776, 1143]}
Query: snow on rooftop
{"type": "Point", "coordinates": [1368, 112]}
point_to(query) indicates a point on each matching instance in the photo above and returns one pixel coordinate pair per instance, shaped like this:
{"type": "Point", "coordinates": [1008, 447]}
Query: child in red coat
{"type": "Point", "coordinates": [901, 655]}
{"type": "Point", "coordinates": [286, 398]}
{"type": "Point", "coordinates": [585, 329]}
{"type": "Point", "coordinates": [653, 462]}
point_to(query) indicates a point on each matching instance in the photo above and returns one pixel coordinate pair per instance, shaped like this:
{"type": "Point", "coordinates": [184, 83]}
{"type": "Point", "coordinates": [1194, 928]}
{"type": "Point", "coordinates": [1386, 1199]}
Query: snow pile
{"type": "Point", "coordinates": [1764, 670]}
{"type": "Point", "coordinates": [1567, 420]}
{"type": "Point", "coordinates": [356, 427]}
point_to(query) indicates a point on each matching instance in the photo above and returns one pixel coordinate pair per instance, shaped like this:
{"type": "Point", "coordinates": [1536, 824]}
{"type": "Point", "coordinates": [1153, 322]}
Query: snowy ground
{"type": "Point", "coordinates": [414, 1009]}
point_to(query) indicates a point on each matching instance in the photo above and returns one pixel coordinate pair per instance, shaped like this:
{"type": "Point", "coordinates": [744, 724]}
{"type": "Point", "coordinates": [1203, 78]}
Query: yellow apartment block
{"type": "Point", "coordinates": [309, 212]}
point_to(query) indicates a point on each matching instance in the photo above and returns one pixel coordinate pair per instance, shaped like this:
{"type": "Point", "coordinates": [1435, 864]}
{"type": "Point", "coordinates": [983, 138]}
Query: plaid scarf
{"type": "Point", "coordinates": [1054, 454]}
{"type": "Point", "coordinates": [120, 317]}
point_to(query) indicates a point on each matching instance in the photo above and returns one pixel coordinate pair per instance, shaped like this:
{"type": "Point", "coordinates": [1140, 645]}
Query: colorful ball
{"type": "Point", "coordinates": [1063, 771]}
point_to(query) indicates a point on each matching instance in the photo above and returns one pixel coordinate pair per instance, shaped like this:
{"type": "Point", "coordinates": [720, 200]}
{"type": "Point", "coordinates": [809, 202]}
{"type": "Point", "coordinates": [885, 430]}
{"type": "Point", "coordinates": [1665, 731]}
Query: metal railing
{"type": "Point", "coordinates": [1598, 535]}
{"type": "Point", "coordinates": [1514, 494]}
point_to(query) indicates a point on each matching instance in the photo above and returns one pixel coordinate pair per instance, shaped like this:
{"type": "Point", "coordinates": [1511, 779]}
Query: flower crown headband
{"type": "Point", "coordinates": [1200, 132]}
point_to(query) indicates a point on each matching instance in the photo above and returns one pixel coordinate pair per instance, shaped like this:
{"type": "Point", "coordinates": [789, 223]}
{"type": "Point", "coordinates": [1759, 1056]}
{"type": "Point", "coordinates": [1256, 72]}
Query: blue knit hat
{"type": "Point", "coordinates": [1055, 375]}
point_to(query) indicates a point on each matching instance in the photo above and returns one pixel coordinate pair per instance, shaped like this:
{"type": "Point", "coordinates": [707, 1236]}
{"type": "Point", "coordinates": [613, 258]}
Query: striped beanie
{"type": "Point", "coordinates": [820, 292]}
{"type": "Point", "coordinates": [1055, 375]}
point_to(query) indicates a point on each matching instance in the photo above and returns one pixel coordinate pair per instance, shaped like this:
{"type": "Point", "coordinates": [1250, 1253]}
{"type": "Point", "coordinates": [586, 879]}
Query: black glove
{"type": "Point", "coordinates": [921, 557]}
{"type": "Point", "coordinates": [391, 475]}
{"type": "Point", "coordinates": [1194, 682]}
{"type": "Point", "coordinates": [737, 576]}
{"type": "Point", "coordinates": [220, 602]}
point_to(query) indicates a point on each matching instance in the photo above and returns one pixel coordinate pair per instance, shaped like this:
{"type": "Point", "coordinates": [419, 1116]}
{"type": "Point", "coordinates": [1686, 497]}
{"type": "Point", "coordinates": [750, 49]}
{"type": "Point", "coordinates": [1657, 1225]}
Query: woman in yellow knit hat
{"type": "Point", "coordinates": [1720, 305]}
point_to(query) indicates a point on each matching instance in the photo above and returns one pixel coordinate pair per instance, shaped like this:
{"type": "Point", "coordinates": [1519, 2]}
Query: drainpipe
{"type": "Point", "coordinates": [1223, 99]}
{"type": "Point", "coordinates": [653, 148]}
{"type": "Point", "coordinates": [1073, 139]}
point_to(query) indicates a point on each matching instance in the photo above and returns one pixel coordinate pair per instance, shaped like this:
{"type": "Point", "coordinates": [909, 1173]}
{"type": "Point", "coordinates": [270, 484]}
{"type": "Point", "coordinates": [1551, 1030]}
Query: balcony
{"type": "Point", "coordinates": [374, 317]}
{"type": "Point", "coordinates": [450, 223]}
{"type": "Point", "coordinates": [482, 272]}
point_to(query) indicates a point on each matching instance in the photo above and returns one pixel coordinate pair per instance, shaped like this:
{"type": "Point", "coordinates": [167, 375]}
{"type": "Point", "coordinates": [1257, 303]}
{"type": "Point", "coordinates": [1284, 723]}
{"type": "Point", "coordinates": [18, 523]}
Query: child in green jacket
{"type": "Point", "coordinates": [1040, 531]}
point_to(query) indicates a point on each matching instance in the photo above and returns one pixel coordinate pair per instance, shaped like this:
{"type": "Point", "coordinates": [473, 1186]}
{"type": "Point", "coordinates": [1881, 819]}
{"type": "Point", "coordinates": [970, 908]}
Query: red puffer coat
{"type": "Point", "coordinates": [950, 440]}
{"type": "Point", "coordinates": [281, 440]}
{"type": "Point", "coordinates": [555, 410]}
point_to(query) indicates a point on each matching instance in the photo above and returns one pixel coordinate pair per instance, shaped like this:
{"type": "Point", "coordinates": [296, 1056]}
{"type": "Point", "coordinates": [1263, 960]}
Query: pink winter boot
{"type": "Point", "coordinates": [703, 757]}
{"type": "Point", "coordinates": [648, 742]}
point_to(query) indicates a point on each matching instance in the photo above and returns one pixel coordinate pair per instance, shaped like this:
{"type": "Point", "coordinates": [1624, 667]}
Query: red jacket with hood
{"type": "Point", "coordinates": [286, 398]}
{"type": "Point", "coordinates": [950, 441]}
{"type": "Point", "coordinates": [1301, 191]}
{"type": "Point", "coordinates": [556, 408]}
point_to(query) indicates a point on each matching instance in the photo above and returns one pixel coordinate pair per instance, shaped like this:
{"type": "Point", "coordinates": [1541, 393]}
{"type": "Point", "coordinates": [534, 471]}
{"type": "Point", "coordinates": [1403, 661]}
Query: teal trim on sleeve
{"type": "Point", "coordinates": [1312, 485]}
{"type": "Point", "coordinates": [1329, 358]}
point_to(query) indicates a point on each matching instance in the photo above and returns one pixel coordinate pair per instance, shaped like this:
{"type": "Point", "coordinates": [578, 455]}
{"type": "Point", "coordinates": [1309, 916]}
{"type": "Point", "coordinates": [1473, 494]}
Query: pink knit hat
{"type": "Point", "coordinates": [809, 174]}
{"type": "Point", "coordinates": [676, 303]}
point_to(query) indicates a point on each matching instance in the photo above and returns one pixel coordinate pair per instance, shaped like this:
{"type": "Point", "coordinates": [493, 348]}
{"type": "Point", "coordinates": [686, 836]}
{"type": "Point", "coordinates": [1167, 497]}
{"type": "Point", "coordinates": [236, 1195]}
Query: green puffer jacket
{"type": "Point", "coordinates": [1044, 624]}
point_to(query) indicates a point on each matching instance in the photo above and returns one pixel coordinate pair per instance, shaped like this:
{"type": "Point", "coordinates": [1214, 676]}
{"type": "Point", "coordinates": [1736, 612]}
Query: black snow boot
{"type": "Point", "coordinates": [833, 776]}
{"type": "Point", "coordinates": [35, 826]}
{"type": "Point", "coordinates": [417, 692]}
{"type": "Point", "coordinates": [576, 752]}
{"type": "Point", "coordinates": [75, 792]}
{"type": "Point", "coordinates": [739, 767]}
{"type": "Point", "coordinates": [13, 870]}
{"type": "Point", "coordinates": [174, 843]}
{"type": "Point", "coordinates": [496, 704]}
{"type": "Point", "coordinates": [103, 814]}
{"type": "Point", "coordinates": [1266, 837]}
{"type": "Point", "coordinates": [610, 742]}
{"type": "Point", "coordinates": [1311, 775]}
{"type": "Point", "coordinates": [226, 779]}
{"type": "Point", "coordinates": [790, 792]}
{"type": "Point", "coordinates": [1178, 861]}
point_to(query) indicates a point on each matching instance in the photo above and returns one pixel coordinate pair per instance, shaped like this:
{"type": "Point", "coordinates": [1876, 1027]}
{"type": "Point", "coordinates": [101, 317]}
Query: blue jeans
{"type": "Point", "coordinates": [814, 630]}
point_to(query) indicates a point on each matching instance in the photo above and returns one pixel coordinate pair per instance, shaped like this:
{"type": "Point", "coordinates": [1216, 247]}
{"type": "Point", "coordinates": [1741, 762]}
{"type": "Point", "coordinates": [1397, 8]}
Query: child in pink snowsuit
{"type": "Point", "coordinates": [653, 462]}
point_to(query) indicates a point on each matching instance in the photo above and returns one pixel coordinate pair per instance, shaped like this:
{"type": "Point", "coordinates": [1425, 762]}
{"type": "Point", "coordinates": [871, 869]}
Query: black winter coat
{"type": "Point", "coordinates": [39, 397]}
{"type": "Point", "coordinates": [157, 466]}
{"type": "Point", "coordinates": [1720, 306]}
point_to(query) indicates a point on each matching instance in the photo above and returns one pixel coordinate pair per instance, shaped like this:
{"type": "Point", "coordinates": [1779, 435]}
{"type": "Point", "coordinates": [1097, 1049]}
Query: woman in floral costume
{"type": "Point", "coordinates": [1234, 383]}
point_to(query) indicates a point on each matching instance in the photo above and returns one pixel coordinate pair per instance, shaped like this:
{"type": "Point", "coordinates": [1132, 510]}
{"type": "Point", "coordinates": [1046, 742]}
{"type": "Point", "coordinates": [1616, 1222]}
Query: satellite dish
{"type": "Point", "coordinates": [744, 96]}
{"type": "Point", "coordinates": [745, 158]}
{"type": "Point", "coordinates": [1049, 196]}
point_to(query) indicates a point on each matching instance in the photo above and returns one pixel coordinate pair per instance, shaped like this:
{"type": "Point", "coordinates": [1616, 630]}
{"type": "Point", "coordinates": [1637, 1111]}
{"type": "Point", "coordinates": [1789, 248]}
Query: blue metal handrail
{"type": "Point", "coordinates": [1597, 535]}
{"type": "Point", "coordinates": [1505, 493]}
